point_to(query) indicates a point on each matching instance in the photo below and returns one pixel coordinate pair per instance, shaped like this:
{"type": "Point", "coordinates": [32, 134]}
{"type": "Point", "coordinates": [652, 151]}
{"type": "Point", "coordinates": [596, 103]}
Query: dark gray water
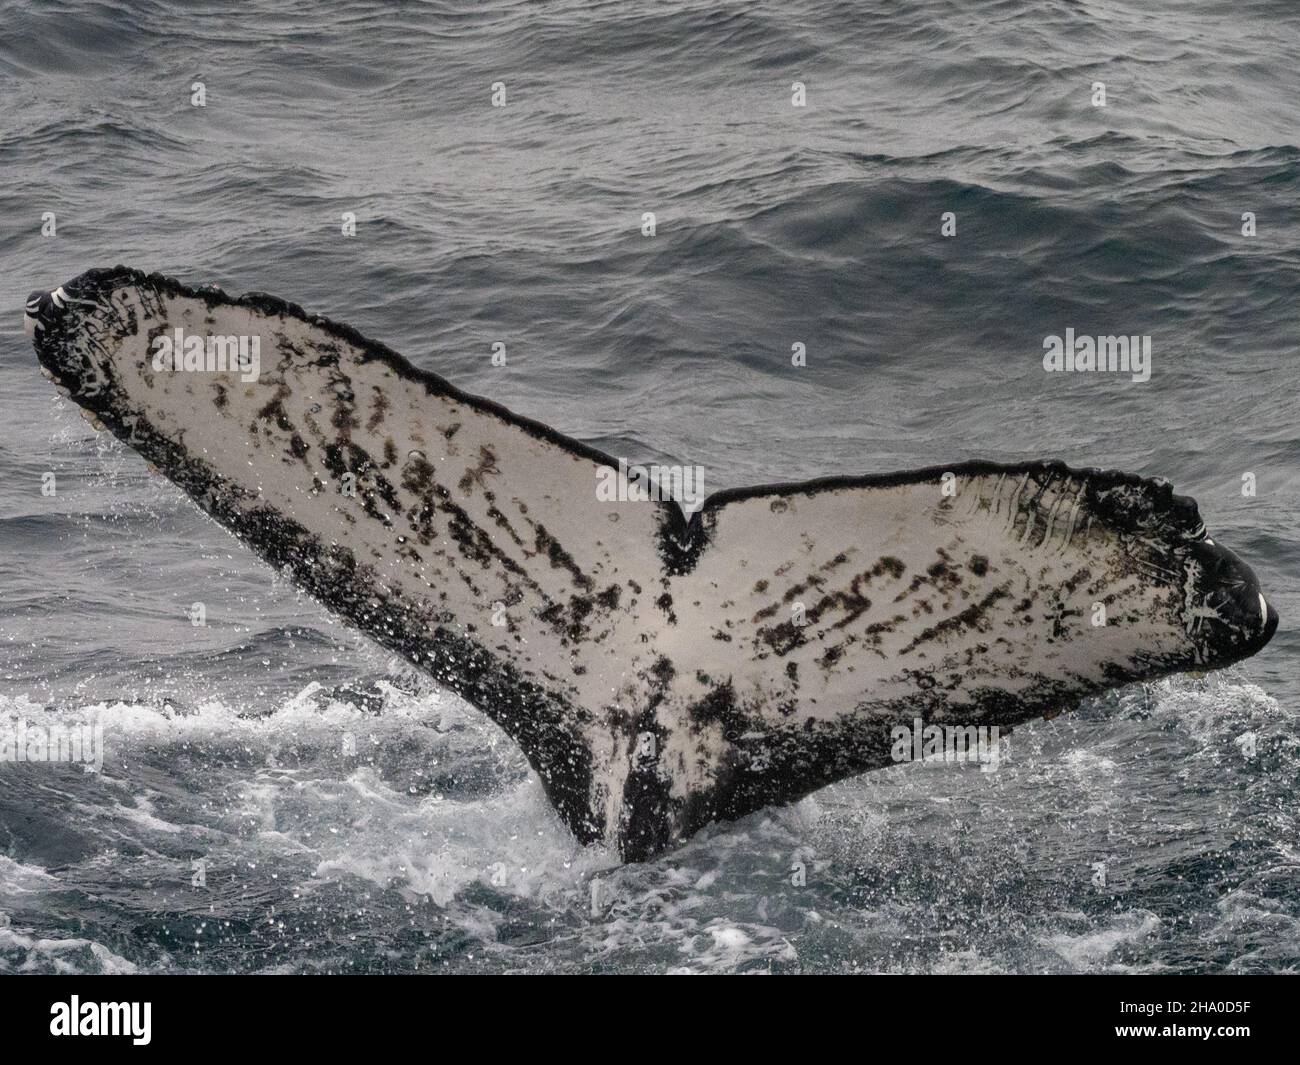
{"type": "Point", "coordinates": [347, 816]}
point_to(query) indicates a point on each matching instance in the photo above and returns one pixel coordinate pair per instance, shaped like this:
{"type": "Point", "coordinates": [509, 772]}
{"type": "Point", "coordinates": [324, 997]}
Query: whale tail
{"type": "Point", "coordinates": [659, 671]}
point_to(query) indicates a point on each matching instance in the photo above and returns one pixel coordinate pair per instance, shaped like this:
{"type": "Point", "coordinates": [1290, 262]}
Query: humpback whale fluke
{"type": "Point", "coordinates": [658, 671]}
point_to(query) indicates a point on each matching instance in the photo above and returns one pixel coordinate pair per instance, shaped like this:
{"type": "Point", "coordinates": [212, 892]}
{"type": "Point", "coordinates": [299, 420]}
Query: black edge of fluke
{"type": "Point", "coordinates": [41, 311]}
{"type": "Point", "coordinates": [104, 278]}
{"type": "Point", "coordinates": [684, 530]}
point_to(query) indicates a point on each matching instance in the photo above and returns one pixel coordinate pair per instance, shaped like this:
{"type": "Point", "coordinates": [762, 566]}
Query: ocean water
{"type": "Point", "coordinates": [341, 814]}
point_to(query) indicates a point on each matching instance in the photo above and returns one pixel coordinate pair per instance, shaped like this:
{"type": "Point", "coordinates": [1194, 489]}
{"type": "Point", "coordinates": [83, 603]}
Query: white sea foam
{"type": "Point", "coordinates": [270, 798]}
{"type": "Point", "coordinates": [21, 953]}
{"type": "Point", "coordinates": [1088, 950]}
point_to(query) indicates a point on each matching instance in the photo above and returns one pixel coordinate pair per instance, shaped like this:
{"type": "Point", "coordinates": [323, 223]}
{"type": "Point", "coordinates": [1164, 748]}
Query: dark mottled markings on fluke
{"type": "Point", "coordinates": [378, 411]}
{"type": "Point", "coordinates": [968, 618]}
{"type": "Point", "coordinates": [557, 556]}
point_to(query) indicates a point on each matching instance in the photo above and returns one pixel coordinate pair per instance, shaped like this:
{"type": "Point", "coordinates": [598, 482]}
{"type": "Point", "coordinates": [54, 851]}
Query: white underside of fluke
{"type": "Point", "coordinates": [797, 611]}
